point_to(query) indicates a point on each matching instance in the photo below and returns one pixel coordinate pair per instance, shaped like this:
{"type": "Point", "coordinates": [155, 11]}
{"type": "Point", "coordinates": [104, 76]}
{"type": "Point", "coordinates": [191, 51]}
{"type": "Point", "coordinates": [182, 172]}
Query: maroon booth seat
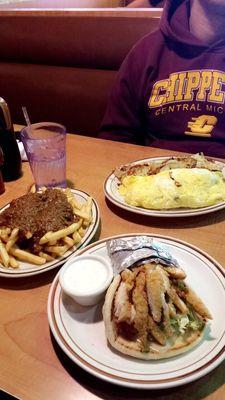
{"type": "Point", "coordinates": [61, 64]}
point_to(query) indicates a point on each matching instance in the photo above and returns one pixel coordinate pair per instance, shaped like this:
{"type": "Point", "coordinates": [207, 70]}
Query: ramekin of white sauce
{"type": "Point", "coordinates": [86, 278]}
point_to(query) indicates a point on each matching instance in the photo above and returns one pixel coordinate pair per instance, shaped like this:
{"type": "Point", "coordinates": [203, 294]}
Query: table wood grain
{"type": "Point", "coordinates": [32, 365]}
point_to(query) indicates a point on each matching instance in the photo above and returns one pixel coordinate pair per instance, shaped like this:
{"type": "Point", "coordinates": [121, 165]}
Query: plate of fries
{"type": "Point", "coordinates": [54, 246]}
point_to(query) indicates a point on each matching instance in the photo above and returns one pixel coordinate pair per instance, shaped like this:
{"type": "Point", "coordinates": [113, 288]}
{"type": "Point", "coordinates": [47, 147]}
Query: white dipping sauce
{"type": "Point", "coordinates": [85, 276]}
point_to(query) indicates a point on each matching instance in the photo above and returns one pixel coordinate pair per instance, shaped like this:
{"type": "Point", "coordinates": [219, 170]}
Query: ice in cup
{"type": "Point", "coordinates": [45, 146]}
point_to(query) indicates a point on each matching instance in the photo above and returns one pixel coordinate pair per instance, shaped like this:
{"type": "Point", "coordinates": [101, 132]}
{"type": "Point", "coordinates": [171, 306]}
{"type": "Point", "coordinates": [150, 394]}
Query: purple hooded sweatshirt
{"type": "Point", "coordinates": [170, 90]}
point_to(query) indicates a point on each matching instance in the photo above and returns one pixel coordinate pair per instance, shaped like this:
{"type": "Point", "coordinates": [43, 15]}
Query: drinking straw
{"type": "Point", "coordinates": [26, 116]}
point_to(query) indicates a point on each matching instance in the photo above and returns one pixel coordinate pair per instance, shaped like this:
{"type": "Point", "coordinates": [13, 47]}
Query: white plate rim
{"type": "Point", "coordinates": [20, 273]}
{"type": "Point", "coordinates": [190, 377]}
{"type": "Point", "coordinates": [111, 179]}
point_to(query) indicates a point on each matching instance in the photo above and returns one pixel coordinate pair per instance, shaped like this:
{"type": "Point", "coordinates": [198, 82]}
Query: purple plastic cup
{"type": "Point", "coordinates": [45, 146]}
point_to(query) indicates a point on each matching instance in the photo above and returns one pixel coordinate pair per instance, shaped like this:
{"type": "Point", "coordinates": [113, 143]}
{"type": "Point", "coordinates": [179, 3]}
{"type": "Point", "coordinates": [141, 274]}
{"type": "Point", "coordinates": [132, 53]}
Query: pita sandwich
{"type": "Point", "coordinates": [151, 313]}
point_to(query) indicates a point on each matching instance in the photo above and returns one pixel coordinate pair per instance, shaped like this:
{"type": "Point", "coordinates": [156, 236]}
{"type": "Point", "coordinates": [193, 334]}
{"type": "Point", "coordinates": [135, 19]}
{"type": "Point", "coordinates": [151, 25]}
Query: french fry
{"type": "Point", "coordinates": [33, 188]}
{"type": "Point", "coordinates": [76, 237]}
{"type": "Point", "coordinates": [69, 241]}
{"type": "Point", "coordinates": [81, 231]}
{"type": "Point", "coordinates": [52, 242]}
{"type": "Point", "coordinates": [88, 210]}
{"type": "Point", "coordinates": [26, 256]}
{"type": "Point", "coordinates": [68, 194]}
{"type": "Point", "coordinates": [5, 238]}
{"type": "Point", "coordinates": [82, 214]}
{"type": "Point", "coordinates": [4, 234]}
{"type": "Point", "coordinates": [14, 233]}
{"type": "Point", "coordinates": [46, 256]}
{"type": "Point", "coordinates": [75, 204]}
{"type": "Point", "coordinates": [70, 197]}
{"type": "Point", "coordinates": [49, 236]}
{"type": "Point", "coordinates": [5, 231]}
{"type": "Point", "coordinates": [12, 239]}
{"type": "Point", "coordinates": [13, 262]}
{"type": "Point", "coordinates": [85, 212]}
{"type": "Point", "coordinates": [4, 254]}
{"type": "Point", "coordinates": [58, 250]}
{"type": "Point", "coordinates": [88, 206]}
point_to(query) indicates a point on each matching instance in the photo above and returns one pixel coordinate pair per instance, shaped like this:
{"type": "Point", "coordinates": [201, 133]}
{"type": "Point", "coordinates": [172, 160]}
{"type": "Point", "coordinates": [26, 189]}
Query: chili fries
{"type": "Point", "coordinates": [53, 244]}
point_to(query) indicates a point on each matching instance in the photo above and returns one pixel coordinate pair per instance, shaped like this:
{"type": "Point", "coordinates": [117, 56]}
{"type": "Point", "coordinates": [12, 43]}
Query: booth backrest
{"type": "Point", "coordinates": [61, 65]}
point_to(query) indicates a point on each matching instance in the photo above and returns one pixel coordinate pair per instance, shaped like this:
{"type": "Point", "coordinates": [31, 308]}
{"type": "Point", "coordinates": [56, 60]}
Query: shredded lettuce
{"type": "Point", "coordinates": [181, 323]}
{"type": "Point", "coordinates": [195, 322]}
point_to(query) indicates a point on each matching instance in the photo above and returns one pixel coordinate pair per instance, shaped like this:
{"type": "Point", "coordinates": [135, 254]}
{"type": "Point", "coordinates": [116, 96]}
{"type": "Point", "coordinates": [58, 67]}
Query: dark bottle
{"type": "Point", "coordinates": [12, 165]}
{"type": "Point", "coordinates": [2, 186]}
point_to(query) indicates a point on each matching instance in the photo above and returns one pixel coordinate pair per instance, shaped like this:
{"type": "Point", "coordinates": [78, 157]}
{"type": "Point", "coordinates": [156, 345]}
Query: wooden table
{"type": "Point", "coordinates": [31, 365]}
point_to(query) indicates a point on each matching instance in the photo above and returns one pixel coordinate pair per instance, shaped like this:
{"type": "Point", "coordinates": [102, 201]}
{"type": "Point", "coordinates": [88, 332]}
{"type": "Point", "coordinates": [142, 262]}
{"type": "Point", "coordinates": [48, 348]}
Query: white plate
{"type": "Point", "coordinates": [79, 331]}
{"type": "Point", "coordinates": [111, 191]}
{"type": "Point", "coordinates": [27, 269]}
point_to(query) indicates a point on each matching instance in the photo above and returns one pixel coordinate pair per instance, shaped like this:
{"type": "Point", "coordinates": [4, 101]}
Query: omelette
{"type": "Point", "coordinates": [173, 185]}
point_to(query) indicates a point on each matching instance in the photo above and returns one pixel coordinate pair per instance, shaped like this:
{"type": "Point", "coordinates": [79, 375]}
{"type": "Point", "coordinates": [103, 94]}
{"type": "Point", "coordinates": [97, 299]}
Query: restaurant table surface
{"type": "Point", "coordinates": [32, 365]}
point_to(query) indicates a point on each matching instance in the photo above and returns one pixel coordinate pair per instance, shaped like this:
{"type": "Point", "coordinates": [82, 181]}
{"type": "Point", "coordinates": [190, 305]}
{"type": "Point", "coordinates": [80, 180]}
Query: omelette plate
{"type": "Point", "coordinates": [111, 186]}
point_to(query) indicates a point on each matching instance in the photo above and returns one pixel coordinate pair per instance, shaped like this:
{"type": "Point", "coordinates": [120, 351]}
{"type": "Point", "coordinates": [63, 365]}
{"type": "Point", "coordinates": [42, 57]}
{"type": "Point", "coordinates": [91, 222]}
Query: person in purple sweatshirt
{"type": "Point", "coordinates": [170, 90]}
{"type": "Point", "coordinates": [145, 3]}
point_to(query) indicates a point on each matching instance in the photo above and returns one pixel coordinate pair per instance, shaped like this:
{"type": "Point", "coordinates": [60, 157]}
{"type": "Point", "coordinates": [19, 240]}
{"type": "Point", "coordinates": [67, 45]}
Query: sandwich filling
{"type": "Point", "coordinates": [150, 312]}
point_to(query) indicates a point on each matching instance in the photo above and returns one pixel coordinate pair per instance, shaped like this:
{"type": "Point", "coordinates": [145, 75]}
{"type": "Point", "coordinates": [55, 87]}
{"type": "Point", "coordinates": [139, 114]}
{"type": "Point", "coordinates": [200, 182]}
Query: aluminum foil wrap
{"type": "Point", "coordinates": [126, 253]}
